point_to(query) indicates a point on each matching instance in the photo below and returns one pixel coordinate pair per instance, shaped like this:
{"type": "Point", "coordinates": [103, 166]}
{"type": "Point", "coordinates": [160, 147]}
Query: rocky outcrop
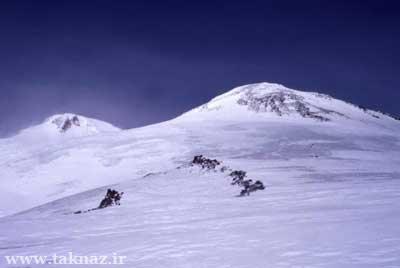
{"type": "Point", "coordinates": [284, 103]}
{"type": "Point", "coordinates": [204, 162]}
{"type": "Point", "coordinates": [238, 176]}
{"type": "Point", "coordinates": [112, 198]}
{"type": "Point", "coordinates": [65, 123]}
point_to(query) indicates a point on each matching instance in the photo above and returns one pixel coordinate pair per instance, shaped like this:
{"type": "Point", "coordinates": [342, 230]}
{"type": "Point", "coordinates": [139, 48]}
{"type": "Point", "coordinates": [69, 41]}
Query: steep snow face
{"type": "Point", "coordinates": [272, 101]}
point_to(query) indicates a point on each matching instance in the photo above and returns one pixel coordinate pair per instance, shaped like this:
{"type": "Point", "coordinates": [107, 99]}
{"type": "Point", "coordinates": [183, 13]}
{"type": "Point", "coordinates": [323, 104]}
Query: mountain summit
{"type": "Point", "coordinates": [66, 125]}
{"type": "Point", "coordinates": [68, 122]}
{"type": "Point", "coordinates": [277, 101]}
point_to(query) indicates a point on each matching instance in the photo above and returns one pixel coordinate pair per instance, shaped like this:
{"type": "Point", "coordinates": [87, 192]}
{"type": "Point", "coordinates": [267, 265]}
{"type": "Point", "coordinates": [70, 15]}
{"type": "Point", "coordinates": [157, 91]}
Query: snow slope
{"type": "Point", "coordinates": [331, 170]}
{"type": "Point", "coordinates": [191, 218]}
{"type": "Point", "coordinates": [43, 163]}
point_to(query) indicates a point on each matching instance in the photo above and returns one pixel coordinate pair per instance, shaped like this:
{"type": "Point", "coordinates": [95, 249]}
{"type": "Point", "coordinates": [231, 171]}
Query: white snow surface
{"type": "Point", "coordinates": [331, 199]}
{"type": "Point", "coordinates": [80, 126]}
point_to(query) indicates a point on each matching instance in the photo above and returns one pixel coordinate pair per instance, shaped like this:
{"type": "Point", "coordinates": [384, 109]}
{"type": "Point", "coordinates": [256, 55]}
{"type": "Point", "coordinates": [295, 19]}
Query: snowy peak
{"type": "Point", "coordinates": [65, 122]}
{"type": "Point", "coordinates": [268, 100]}
{"type": "Point", "coordinates": [67, 125]}
{"type": "Point", "coordinates": [77, 124]}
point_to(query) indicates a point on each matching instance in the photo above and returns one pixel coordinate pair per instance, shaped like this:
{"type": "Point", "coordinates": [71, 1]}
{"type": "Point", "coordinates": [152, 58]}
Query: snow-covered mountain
{"type": "Point", "coordinates": [275, 101]}
{"type": "Point", "coordinates": [331, 170]}
{"type": "Point", "coordinates": [63, 126]}
{"type": "Point", "coordinates": [69, 153]}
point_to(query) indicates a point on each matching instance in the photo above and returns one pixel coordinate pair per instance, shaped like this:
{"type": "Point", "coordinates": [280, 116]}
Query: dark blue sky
{"type": "Point", "coordinates": [134, 63]}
